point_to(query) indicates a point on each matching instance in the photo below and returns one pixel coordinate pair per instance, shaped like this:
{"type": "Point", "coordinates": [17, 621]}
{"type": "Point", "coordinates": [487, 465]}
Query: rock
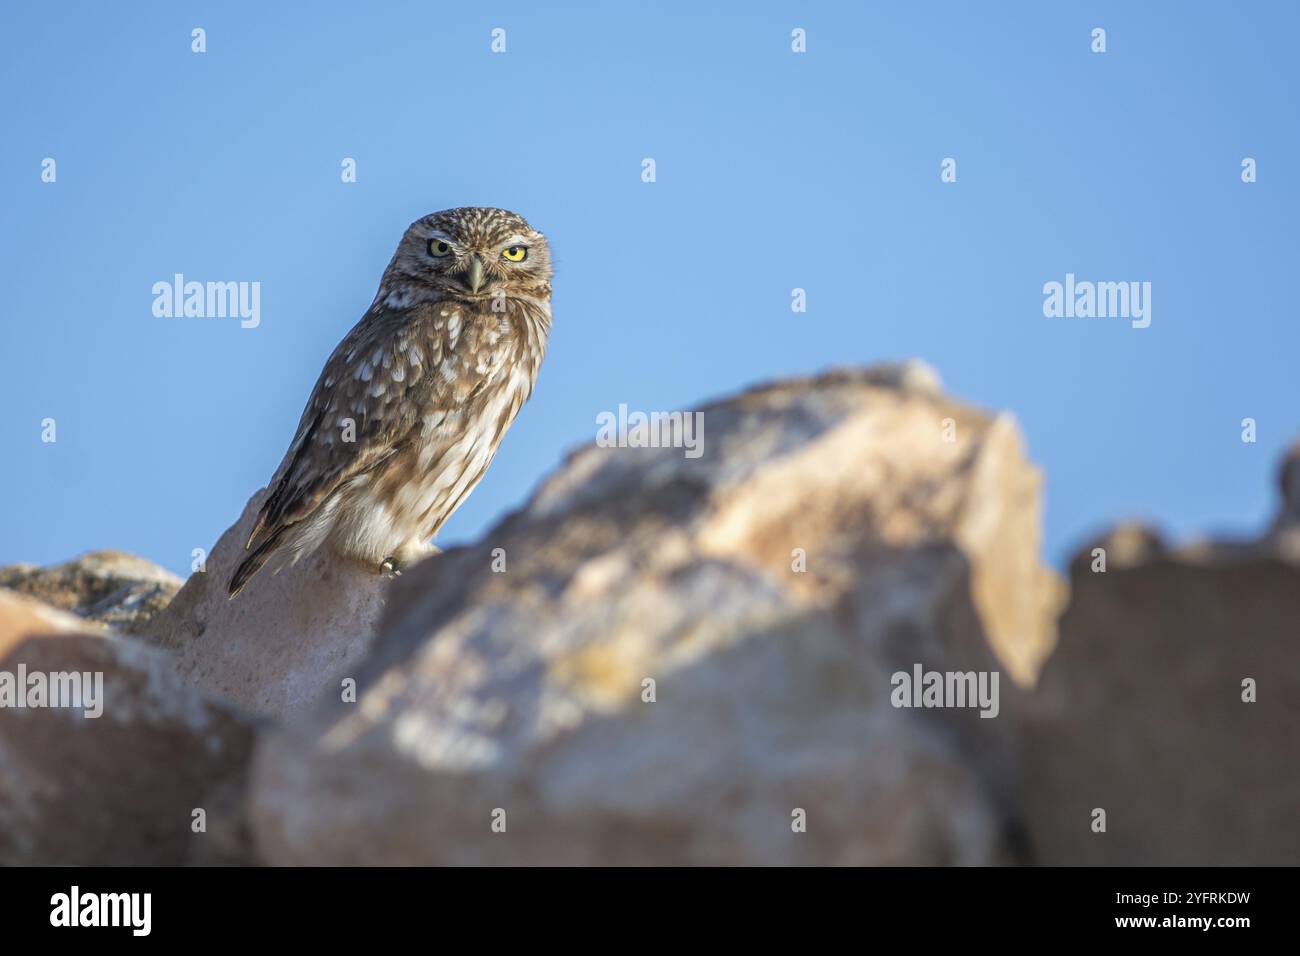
{"type": "Point", "coordinates": [828, 537]}
{"type": "Point", "coordinates": [1288, 513]}
{"type": "Point", "coordinates": [285, 639]}
{"type": "Point", "coordinates": [24, 617]}
{"type": "Point", "coordinates": [119, 788]}
{"type": "Point", "coordinates": [1140, 711]}
{"type": "Point", "coordinates": [106, 587]}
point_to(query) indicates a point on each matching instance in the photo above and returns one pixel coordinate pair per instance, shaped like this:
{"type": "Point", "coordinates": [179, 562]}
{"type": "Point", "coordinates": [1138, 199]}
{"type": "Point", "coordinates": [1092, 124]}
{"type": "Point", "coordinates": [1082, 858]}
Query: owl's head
{"type": "Point", "coordinates": [470, 253]}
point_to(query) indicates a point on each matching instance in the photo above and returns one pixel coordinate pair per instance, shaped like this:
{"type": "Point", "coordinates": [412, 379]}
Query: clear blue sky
{"type": "Point", "coordinates": [775, 171]}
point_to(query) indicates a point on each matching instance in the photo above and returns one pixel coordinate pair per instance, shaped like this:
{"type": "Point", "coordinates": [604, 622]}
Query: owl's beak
{"type": "Point", "coordinates": [474, 278]}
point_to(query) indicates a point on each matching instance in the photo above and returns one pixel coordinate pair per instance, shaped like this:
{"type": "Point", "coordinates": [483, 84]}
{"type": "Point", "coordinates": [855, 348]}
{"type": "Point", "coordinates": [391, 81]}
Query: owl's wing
{"type": "Point", "coordinates": [365, 394]}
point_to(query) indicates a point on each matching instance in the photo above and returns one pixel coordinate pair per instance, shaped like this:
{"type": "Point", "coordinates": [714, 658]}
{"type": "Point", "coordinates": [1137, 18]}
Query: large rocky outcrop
{"type": "Point", "coordinates": [121, 787]}
{"type": "Point", "coordinates": [284, 640]}
{"type": "Point", "coordinates": [105, 587]}
{"type": "Point", "coordinates": [667, 659]}
{"type": "Point", "coordinates": [1172, 704]}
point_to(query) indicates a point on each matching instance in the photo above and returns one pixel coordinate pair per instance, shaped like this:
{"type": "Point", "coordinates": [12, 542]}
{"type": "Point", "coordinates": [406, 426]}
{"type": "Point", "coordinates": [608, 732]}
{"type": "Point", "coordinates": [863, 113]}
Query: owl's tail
{"type": "Point", "coordinates": [251, 564]}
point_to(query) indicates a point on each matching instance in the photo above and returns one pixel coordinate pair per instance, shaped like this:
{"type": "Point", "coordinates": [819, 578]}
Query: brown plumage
{"type": "Point", "coordinates": [411, 406]}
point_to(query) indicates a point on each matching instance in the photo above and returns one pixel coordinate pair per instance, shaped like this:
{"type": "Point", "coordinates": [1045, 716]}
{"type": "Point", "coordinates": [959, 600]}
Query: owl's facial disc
{"type": "Point", "coordinates": [474, 254]}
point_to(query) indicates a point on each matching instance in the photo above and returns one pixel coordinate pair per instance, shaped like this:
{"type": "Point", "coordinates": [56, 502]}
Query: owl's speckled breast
{"type": "Point", "coordinates": [486, 363]}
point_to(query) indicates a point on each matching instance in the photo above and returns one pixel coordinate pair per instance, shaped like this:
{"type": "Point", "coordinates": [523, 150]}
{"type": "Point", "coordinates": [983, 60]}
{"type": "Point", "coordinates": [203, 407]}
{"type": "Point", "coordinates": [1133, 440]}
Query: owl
{"type": "Point", "coordinates": [411, 406]}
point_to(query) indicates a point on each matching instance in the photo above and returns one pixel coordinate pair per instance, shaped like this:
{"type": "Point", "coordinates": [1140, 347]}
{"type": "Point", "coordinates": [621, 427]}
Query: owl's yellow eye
{"type": "Point", "coordinates": [515, 254]}
{"type": "Point", "coordinates": [438, 248]}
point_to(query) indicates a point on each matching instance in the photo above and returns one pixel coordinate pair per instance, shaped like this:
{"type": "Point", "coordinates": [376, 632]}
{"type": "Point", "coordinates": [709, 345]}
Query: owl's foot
{"type": "Point", "coordinates": [405, 556]}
